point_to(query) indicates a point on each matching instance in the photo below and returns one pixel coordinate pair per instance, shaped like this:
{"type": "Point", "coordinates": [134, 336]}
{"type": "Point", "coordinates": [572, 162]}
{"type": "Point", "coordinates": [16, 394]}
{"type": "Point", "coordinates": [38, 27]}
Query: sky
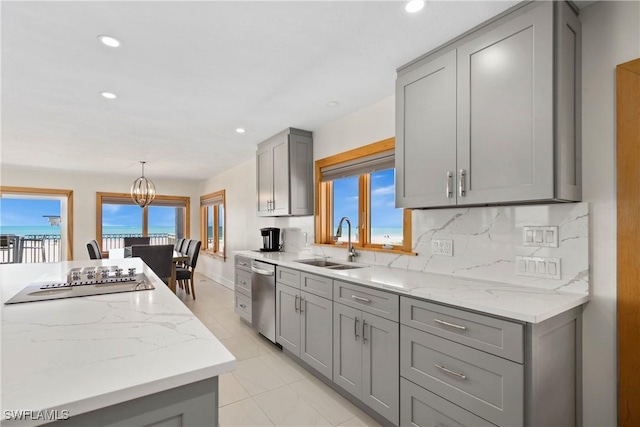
{"type": "Point", "coordinates": [384, 214]}
{"type": "Point", "coordinates": [131, 216]}
{"type": "Point", "coordinates": [27, 212]}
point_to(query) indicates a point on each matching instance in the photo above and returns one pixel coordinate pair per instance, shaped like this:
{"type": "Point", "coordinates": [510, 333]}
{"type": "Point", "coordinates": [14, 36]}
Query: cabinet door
{"type": "Point", "coordinates": [347, 350]}
{"type": "Point", "coordinates": [316, 338]}
{"type": "Point", "coordinates": [381, 366]}
{"type": "Point", "coordinates": [505, 120]}
{"type": "Point", "coordinates": [280, 155]}
{"type": "Point", "coordinates": [288, 318]}
{"type": "Point", "coordinates": [426, 134]}
{"type": "Point", "coordinates": [264, 178]}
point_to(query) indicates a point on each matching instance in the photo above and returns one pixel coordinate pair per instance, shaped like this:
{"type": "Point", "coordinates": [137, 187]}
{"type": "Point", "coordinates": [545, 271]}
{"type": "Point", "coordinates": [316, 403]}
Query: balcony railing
{"type": "Point", "coordinates": [115, 241]}
{"type": "Point", "coordinates": [30, 248]}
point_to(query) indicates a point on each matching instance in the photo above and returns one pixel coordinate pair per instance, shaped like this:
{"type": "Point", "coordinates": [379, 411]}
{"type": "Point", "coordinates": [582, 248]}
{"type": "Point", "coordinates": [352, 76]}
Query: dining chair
{"type": "Point", "coordinates": [130, 241]}
{"type": "Point", "coordinates": [159, 258]}
{"type": "Point", "coordinates": [178, 246]}
{"type": "Point", "coordinates": [184, 275]}
{"type": "Point", "coordinates": [94, 250]}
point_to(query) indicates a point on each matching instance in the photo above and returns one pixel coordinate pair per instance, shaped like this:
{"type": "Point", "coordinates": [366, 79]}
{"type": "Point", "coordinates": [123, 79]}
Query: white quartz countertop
{"type": "Point", "coordinates": [514, 302]}
{"type": "Point", "coordinates": [87, 353]}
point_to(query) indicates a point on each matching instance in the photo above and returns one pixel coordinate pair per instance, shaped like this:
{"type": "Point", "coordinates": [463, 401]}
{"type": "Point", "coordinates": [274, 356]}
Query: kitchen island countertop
{"type": "Point", "coordinates": [516, 302]}
{"type": "Point", "coordinates": [88, 353]}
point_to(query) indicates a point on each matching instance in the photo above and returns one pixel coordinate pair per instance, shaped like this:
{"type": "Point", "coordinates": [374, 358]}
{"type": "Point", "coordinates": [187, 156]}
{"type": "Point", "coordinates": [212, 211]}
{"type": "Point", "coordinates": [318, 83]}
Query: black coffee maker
{"type": "Point", "coordinates": [270, 239]}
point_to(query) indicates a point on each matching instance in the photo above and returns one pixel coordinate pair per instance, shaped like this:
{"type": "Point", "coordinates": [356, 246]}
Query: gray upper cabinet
{"type": "Point", "coordinates": [493, 117]}
{"type": "Point", "coordinates": [284, 174]}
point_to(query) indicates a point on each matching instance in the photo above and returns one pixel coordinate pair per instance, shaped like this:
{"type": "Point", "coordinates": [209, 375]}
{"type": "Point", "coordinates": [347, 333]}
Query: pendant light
{"type": "Point", "coordinates": [143, 191]}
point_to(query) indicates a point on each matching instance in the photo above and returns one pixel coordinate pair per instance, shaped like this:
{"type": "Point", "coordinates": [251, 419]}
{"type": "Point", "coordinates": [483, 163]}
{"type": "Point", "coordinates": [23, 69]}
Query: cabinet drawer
{"type": "Point", "coordinates": [484, 384]}
{"type": "Point", "coordinates": [380, 303]}
{"type": "Point", "coordinates": [242, 306]}
{"type": "Point", "coordinates": [288, 276]}
{"type": "Point", "coordinates": [495, 336]}
{"type": "Point", "coordinates": [243, 263]}
{"type": "Point", "coordinates": [317, 285]}
{"type": "Point", "coordinates": [243, 282]}
{"type": "Point", "coordinates": [421, 408]}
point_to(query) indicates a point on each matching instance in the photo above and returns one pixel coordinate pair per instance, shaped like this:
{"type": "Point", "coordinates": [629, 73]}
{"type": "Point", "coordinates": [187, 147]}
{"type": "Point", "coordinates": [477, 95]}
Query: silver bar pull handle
{"type": "Point", "coordinates": [364, 328]}
{"type": "Point", "coordinates": [261, 271]}
{"type": "Point", "coordinates": [355, 328]}
{"type": "Point", "coordinates": [356, 297]}
{"type": "Point", "coordinates": [242, 263]}
{"type": "Point", "coordinates": [448, 371]}
{"type": "Point", "coordinates": [449, 192]}
{"type": "Point", "coordinates": [243, 306]}
{"type": "Point", "coordinates": [461, 183]}
{"type": "Point", "coordinates": [442, 322]}
{"type": "Point", "coordinates": [295, 304]}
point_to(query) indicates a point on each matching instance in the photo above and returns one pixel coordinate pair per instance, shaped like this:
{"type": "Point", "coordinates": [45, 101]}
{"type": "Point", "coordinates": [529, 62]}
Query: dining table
{"type": "Point", "coordinates": [122, 253]}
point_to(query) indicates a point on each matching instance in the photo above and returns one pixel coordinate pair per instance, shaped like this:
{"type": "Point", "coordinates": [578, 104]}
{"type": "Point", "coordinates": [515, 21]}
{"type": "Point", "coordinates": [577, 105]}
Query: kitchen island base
{"type": "Point", "coordinates": [190, 405]}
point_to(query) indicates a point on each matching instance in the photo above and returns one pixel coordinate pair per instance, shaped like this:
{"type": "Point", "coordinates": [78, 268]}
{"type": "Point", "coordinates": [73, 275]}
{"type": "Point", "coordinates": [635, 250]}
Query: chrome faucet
{"type": "Point", "coordinates": [351, 251]}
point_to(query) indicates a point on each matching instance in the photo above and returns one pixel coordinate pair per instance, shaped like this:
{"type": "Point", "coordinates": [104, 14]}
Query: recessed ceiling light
{"type": "Point", "coordinates": [414, 6]}
{"type": "Point", "coordinates": [109, 95]}
{"type": "Point", "coordinates": [109, 41]}
{"type": "Point", "coordinates": [333, 104]}
{"type": "Point", "coordinates": [240, 130]}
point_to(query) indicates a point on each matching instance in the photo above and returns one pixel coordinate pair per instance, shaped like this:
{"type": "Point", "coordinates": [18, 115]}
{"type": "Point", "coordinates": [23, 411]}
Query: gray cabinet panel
{"type": "Point", "coordinates": [243, 263]}
{"type": "Point", "coordinates": [380, 364]}
{"type": "Point", "coordinates": [285, 174]}
{"type": "Point", "coordinates": [288, 276]}
{"type": "Point", "coordinates": [287, 318]}
{"type": "Point", "coordinates": [486, 385]}
{"type": "Point", "coordinates": [347, 349]}
{"type": "Point", "coordinates": [426, 126]}
{"type": "Point", "coordinates": [380, 303]}
{"type": "Point", "coordinates": [421, 408]}
{"type": "Point", "coordinates": [316, 340]}
{"type": "Point", "coordinates": [496, 336]}
{"type": "Point", "coordinates": [243, 282]}
{"type": "Point", "coordinates": [505, 123]}
{"type": "Point", "coordinates": [264, 179]}
{"type": "Point", "coordinates": [242, 306]}
{"type": "Point", "coordinates": [317, 285]}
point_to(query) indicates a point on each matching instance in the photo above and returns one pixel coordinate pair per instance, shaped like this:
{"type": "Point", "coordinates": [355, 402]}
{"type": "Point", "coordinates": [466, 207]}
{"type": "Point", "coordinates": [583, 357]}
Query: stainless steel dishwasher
{"type": "Point", "coordinates": [263, 299]}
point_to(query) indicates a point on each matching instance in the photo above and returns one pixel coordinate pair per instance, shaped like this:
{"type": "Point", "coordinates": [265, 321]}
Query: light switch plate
{"type": "Point", "coordinates": [535, 266]}
{"type": "Point", "coordinates": [442, 247]}
{"type": "Point", "coordinates": [545, 236]}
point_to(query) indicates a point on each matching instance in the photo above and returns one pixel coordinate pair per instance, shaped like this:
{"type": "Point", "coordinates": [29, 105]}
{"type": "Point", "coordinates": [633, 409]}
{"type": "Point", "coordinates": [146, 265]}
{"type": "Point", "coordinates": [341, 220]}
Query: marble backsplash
{"type": "Point", "coordinates": [486, 241]}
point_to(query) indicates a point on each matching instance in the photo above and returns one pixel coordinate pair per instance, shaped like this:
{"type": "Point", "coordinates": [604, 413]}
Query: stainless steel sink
{"type": "Point", "coordinates": [327, 264]}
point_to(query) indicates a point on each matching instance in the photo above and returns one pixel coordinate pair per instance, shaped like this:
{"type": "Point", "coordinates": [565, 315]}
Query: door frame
{"type": "Point", "coordinates": [68, 194]}
{"type": "Point", "coordinates": [628, 240]}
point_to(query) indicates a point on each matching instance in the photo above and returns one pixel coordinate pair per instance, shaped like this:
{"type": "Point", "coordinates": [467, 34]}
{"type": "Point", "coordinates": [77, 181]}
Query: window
{"type": "Point", "coordinates": [165, 220]}
{"type": "Point", "coordinates": [212, 222]}
{"type": "Point", "coordinates": [360, 185]}
{"type": "Point", "coordinates": [36, 225]}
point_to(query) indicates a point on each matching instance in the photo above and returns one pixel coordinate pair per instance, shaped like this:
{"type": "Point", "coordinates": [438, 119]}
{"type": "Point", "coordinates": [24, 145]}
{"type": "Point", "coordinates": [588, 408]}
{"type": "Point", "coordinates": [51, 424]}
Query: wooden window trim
{"type": "Point", "coordinates": [145, 214]}
{"type": "Point", "coordinates": [215, 251]}
{"type": "Point", "coordinates": [49, 192]}
{"type": "Point", "coordinates": [323, 208]}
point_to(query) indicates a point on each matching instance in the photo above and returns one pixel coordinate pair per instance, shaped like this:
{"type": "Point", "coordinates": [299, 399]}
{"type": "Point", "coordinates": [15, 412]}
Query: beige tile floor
{"type": "Point", "coordinates": [267, 388]}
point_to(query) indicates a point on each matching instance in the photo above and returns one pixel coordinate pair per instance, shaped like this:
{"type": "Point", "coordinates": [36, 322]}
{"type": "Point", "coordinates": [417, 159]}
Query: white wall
{"type": "Point", "coordinates": [610, 37]}
{"type": "Point", "coordinates": [85, 186]}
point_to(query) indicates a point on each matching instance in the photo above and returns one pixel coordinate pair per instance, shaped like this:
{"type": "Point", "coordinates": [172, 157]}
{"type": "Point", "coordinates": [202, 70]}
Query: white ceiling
{"type": "Point", "coordinates": [189, 73]}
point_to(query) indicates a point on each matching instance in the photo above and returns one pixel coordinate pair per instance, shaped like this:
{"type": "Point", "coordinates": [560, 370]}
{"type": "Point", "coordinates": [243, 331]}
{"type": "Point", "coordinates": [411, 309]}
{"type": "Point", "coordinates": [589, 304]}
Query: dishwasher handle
{"type": "Point", "coordinates": [261, 271]}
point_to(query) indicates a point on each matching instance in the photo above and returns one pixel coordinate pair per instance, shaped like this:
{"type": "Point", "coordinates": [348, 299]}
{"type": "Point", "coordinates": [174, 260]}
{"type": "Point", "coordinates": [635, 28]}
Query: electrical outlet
{"type": "Point", "coordinates": [534, 266]}
{"type": "Point", "coordinates": [442, 247]}
{"type": "Point", "coordinates": [540, 236]}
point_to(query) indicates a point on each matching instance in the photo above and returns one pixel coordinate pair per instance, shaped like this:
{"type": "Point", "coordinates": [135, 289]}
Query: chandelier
{"type": "Point", "coordinates": [142, 190]}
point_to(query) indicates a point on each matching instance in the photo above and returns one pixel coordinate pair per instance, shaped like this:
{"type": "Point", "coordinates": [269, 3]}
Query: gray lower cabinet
{"type": "Point", "coordinates": [303, 327]}
{"type": "Point", "coordinates": [365, 360]}
{"type": "Point", "coordinates": [421, 408]}
{"type": "Point", "coordinates": [493, 117]}
{"type": "Point", "coordinates": [242, 294]}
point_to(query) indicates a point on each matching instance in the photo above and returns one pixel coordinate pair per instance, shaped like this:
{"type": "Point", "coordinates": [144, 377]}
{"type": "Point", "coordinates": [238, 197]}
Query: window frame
{"type": "Point", "coordinates": [145, 213]}
{"type": "Point", "coordinates": [324, 200]}
{"type": "Point", "coordinates": [217, 198]}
